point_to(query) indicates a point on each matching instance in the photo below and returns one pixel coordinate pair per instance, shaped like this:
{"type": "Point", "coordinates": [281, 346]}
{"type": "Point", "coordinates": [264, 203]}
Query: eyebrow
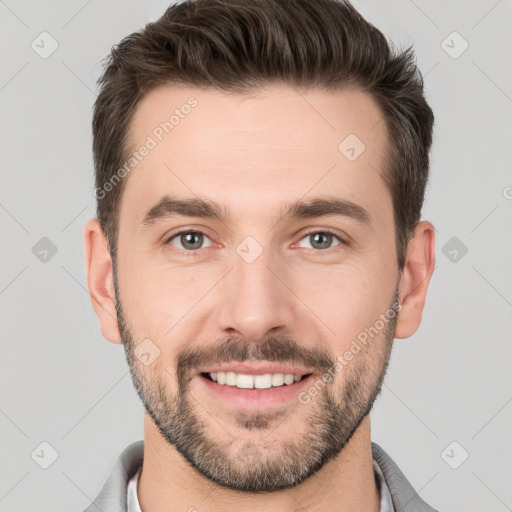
{"type": "Point", "coordinates": [169, 206]}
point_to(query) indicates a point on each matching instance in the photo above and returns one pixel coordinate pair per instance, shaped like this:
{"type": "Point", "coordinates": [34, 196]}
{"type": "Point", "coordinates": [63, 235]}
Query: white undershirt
{"type": "Point", "coordinates": [132, 499]}
{"type": "Point", "coordinates": [386, 503]}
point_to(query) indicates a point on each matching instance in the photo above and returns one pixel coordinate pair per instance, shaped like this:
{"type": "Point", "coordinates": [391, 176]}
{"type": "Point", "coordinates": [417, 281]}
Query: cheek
{"type": "Point", "coordinates": [142, 295]}
{"type": "Point", "coordinates": [346, 300]}
{"type": "Point", "coordinates": [157, 298]}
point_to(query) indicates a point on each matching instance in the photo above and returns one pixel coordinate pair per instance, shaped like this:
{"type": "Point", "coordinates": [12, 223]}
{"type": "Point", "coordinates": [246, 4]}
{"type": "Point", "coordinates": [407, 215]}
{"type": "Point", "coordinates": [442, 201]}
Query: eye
{"type": "Point", "coordinates": [321, 240]}
{"type": "Point", "coordinates": [190, 241]}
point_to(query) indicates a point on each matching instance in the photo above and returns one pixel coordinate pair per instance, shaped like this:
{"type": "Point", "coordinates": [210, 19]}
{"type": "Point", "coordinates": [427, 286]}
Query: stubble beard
{"type": "Point", "coordinates": [247, 461]}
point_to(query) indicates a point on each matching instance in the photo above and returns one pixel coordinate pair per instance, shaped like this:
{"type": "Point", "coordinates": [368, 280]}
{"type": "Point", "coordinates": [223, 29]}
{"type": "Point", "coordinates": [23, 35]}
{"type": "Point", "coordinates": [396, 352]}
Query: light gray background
{"type": "Point", "coordinates": [63, 384]}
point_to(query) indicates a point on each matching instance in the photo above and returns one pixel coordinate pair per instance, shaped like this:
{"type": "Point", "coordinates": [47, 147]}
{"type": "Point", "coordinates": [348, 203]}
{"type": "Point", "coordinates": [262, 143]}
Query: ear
{"type": "Point", "coordinates": [100, 280]}
{"type": "Point", "coordinates": [415, 278]}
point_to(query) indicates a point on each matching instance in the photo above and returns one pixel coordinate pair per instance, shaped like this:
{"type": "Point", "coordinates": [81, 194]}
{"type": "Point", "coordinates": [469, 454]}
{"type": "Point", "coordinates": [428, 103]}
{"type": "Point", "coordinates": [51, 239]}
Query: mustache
{"type": "Point", "coordinates": [274, 349]}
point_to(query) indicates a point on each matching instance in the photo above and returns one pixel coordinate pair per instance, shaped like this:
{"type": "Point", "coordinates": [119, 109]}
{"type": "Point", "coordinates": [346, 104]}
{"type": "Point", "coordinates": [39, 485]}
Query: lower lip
{"type": "Point", "coordinates": [251, 398]}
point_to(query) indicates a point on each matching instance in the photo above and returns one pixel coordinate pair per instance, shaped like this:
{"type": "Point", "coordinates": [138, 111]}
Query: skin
{"type": "Point", "coordinates": [255, 154]}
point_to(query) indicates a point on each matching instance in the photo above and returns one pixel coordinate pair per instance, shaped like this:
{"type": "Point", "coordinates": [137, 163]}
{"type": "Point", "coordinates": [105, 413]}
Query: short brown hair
{"type": "Point", "coordinates": [240, 45]}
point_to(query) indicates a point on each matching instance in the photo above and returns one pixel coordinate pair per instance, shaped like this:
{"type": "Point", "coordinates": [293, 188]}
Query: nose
{"type": "Point", "coordinates": [257, 299]}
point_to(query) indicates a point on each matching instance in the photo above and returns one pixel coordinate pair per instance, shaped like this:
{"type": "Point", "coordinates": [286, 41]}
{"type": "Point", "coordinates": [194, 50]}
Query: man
{"type": "Point", "coordinates": [260, 173]}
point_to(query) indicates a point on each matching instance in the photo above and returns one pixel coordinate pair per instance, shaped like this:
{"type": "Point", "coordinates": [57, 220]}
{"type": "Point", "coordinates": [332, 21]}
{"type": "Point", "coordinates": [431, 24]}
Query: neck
{"type": "Point", "coordinates": [346, 483]}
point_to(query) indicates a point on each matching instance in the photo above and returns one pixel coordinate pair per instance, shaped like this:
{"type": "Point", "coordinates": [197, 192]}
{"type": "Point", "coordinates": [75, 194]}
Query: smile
{"type": "Point", "coordinates": [246, 391]}
{"type": "Point", "coordinates": [245, 381]}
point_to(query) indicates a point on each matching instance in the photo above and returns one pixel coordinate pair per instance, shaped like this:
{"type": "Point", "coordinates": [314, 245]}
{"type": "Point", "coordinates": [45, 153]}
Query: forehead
{"type": "Point", "coordinates": [249, 151]}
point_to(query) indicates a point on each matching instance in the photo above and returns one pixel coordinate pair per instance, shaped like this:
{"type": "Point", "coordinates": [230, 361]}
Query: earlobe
{"type": "Point", "coordinates": [418, 269]}
{"type": "Point", "coordinates": [98, 266]}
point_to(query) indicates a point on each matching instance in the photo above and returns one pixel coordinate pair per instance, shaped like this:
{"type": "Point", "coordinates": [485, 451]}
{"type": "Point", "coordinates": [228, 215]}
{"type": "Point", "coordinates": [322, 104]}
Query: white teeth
{"type": "Point", "coordinates": [244, 381]}
{"type": "Point", "coordinates": [288, 379]}
{"type": "Point", "coordinates": [277, 379]}
{"type": "Point", "coordinates": [263, 381]}
{"type": "Point", "coordinates": [231, 378]}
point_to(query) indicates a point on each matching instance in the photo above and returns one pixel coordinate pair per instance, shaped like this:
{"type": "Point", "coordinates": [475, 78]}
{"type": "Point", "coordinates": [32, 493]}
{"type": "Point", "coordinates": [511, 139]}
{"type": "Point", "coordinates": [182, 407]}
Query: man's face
{"type": "Point", "coordinates": [255, 291]}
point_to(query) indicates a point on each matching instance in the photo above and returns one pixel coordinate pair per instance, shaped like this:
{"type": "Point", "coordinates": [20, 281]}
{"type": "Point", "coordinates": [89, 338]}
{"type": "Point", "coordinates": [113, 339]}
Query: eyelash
{"type": "Point", "coordinates": [195, 253]}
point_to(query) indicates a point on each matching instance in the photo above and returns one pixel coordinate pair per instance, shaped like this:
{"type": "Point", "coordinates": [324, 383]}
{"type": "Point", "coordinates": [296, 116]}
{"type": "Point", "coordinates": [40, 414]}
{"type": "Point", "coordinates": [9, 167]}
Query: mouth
{"type": "Point", "coordinates": [250, 389]}
{"type": "Point", "coordinates": [247, 381]}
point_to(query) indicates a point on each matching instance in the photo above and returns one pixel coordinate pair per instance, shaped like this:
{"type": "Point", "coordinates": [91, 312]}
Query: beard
{"type": "Point", "coordinates": [252, 464]}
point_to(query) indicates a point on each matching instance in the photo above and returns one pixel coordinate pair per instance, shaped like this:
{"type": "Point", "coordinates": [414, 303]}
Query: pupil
{"type": "Point", "coordinates": [325, 236]}
{"type": "Point", "coordinates": [188, 238]}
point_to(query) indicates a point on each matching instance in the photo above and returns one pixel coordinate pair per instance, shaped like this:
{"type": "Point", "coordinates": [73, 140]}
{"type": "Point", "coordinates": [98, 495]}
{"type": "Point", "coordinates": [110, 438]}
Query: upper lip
{"type": "Point", "coordinates": [256, 369]}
